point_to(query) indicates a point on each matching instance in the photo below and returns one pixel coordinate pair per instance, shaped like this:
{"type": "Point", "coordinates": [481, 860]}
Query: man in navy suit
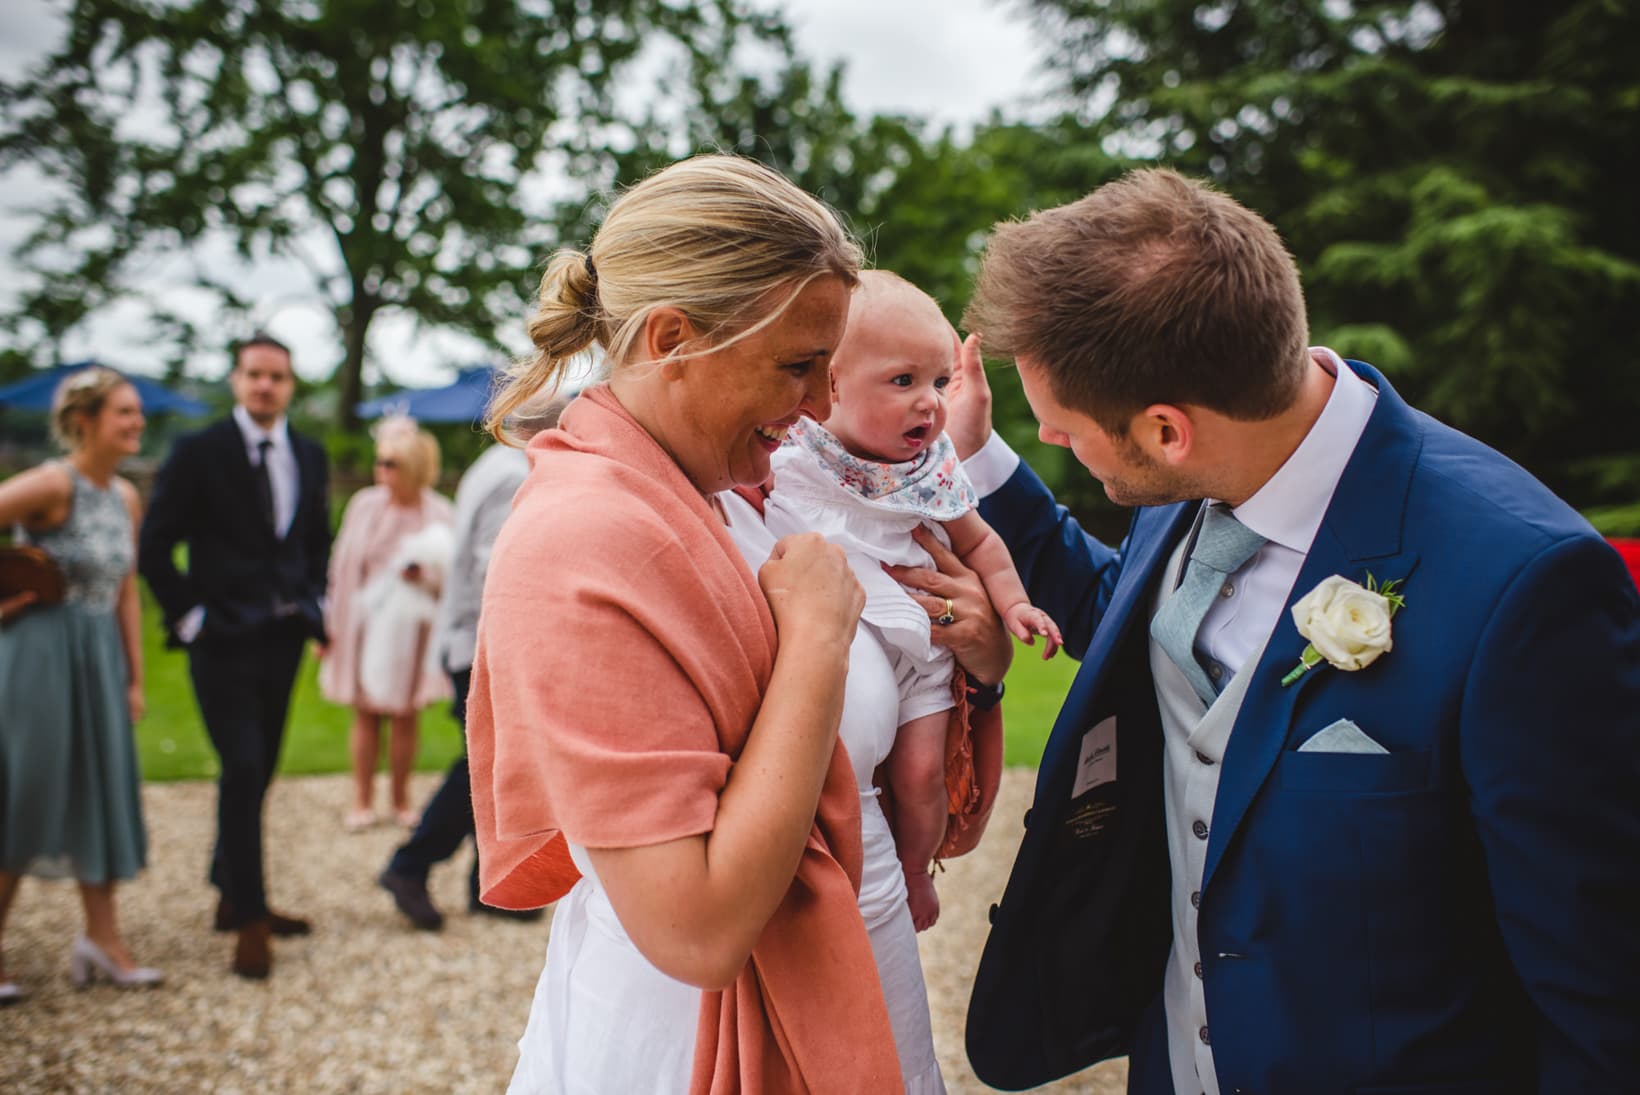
{"type": "Point", "coordinates": [250, 499]}
{"type": "Point", "coordinates": [1403, 861]}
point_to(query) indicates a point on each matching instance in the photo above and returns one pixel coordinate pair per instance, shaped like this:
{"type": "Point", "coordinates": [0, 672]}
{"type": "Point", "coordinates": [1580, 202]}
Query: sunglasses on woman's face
{"type": "Point", "coordinates": [386, 462]}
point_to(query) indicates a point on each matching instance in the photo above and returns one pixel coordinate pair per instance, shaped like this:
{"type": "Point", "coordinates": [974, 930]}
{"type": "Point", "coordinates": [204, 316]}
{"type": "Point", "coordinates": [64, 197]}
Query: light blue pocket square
{"type": "Point", "coordinates": [1342, 736]}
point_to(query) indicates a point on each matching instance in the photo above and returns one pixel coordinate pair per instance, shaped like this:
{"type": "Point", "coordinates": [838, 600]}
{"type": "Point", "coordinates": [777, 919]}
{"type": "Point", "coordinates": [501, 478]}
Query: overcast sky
{"type": "Point", "coordinates": [949, 60]}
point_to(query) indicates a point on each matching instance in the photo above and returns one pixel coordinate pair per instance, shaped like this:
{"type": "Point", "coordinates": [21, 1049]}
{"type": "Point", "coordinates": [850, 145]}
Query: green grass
{"type": "Point", "coordinates": [172, 743]}
{"type": "Point", "coordinates": [1031, 702]}
{"type": "Point", "coordinates": [171, 739]}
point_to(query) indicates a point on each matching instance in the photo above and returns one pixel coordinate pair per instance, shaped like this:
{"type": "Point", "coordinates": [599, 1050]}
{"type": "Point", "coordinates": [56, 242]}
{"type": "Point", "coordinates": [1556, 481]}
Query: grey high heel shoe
{"type": "Point", "coordinates": [87, 959]}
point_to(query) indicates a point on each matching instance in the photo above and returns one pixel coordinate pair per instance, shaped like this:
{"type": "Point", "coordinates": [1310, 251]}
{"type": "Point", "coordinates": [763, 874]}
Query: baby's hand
{"type": "Point", "coordinates": [1026, 622]}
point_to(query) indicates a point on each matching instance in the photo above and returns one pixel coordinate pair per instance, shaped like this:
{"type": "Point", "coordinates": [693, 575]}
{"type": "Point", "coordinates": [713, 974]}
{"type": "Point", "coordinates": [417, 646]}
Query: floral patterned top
{"type": "Point", "coordinates": [93, 546]}
{"type": "Point", "coordinates": [933, 485]}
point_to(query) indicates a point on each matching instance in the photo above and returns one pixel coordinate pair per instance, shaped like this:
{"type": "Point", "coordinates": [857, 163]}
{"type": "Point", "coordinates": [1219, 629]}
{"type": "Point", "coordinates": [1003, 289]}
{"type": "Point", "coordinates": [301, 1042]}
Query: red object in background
{"type": "Point", "coordinates": [1630, 551]}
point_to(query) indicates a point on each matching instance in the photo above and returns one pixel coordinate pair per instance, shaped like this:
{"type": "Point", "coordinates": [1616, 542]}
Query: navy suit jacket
{"type": "Point", "coordinates": [205, 496]}
{"type": "Point", "coordinates": [1456, 915]}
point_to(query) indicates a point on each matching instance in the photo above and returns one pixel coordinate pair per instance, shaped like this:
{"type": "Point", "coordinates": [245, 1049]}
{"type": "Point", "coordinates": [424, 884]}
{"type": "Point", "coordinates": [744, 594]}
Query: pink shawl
{"type": "Point", "coordinates": [372, 529]}
{"type": "Point", "coordinates": [623, 651]}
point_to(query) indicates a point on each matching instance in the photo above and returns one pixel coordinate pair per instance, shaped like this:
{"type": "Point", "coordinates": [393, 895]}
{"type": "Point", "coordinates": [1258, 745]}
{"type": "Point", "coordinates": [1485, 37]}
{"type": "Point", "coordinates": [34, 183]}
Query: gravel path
{"type": "Point", "coordinates": [365, 1005]}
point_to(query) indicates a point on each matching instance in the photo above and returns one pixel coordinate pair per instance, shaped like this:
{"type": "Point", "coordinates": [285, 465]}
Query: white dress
{"type": "Point", "coordinates": [808, 497]}
{"type": "Point", "coordinates": [605, 1020]}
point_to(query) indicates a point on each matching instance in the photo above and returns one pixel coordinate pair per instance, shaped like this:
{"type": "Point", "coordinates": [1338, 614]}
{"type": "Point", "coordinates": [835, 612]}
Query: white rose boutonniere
{"type": "Point", "coordinates": [1348, 624]}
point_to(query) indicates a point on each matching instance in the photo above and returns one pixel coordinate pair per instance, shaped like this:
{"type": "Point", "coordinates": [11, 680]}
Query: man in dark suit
{"type": "Point", "coordinates": [1343, 797]}
{"type": "Point", "coordinates": [249, 498]}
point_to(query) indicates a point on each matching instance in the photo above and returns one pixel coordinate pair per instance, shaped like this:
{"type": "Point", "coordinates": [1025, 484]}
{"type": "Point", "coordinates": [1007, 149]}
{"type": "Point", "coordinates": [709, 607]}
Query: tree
{"type": "Point", "coordinates": [1453, 177]}
{"type": "Point", "coordinates": [408, 154]}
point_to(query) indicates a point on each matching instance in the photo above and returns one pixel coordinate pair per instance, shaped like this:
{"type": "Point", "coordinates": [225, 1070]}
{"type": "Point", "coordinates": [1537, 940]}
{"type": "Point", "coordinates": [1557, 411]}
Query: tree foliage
{"type": "Point", "coordinates": [390, 148]}
{"type": "Point", "coordinates": [1452, 176]}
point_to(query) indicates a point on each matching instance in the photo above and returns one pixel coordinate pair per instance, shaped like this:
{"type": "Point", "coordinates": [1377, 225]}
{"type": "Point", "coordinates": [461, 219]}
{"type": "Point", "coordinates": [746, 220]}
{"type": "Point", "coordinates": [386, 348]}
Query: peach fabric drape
{"type": "Point", "coordinates": [623, 651]}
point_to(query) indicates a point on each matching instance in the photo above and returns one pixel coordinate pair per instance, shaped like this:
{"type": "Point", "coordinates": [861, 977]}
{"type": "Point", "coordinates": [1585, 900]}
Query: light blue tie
{"type": "Point", "coordinates": [1223, 546]}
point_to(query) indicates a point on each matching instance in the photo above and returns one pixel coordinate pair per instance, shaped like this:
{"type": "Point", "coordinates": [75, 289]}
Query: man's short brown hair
{"type": "Point", "coordinates": [1152, 289]}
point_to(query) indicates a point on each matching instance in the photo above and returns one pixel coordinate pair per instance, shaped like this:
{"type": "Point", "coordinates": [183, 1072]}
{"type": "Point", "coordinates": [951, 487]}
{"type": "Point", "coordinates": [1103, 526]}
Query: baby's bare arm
{"type": "Point", "coordinates": [977, 544]}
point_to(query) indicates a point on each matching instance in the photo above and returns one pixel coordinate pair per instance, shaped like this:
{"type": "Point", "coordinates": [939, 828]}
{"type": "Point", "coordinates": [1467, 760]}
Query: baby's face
{"type": "Point", "coordinates": [889, 378]}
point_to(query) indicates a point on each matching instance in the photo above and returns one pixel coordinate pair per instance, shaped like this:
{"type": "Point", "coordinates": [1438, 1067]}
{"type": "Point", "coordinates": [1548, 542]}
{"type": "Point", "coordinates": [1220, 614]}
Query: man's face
{"type": "Point", "coordinates": [263, 383]}
{"type": "Point", "coordinates": [1130, 476]}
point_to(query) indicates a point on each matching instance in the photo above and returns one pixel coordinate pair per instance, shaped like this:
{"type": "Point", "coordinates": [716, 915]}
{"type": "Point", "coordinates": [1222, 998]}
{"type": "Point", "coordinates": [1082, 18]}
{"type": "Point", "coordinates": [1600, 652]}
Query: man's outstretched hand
{"type": "Point", "coordinates": [968, 401]}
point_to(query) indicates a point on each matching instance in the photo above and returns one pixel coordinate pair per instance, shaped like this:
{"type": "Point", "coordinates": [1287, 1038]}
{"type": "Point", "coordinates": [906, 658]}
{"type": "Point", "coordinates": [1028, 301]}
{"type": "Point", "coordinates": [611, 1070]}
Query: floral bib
{"type": "Point", "coordinates": [933, 485]}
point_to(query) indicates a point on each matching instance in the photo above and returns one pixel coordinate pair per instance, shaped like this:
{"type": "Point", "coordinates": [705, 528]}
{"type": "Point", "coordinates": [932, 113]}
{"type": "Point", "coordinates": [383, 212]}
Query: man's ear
{"type": "Point", "coordinates": [1165, 432]}
{"type": "Point", "coordinates": [666, 331]}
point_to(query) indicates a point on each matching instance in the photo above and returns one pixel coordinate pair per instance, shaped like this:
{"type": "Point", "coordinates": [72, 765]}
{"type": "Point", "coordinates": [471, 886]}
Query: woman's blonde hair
{"type": "Point", "coordinates": [413, 448]}
{"type": "Point", "coordinates": [79, 398]}
{"type": "Point", "coordinates": [711, 236]}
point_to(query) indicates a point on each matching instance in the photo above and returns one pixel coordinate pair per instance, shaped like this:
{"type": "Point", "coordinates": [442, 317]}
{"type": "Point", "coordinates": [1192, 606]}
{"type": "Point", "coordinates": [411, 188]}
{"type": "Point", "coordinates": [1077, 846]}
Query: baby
{"type": "Point", "coordinates": [880, 466]}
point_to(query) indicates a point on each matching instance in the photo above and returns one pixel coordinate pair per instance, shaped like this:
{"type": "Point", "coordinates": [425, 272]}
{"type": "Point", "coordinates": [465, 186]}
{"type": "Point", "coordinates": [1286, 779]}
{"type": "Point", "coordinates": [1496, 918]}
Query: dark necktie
{"type": "Point", "coordinates": [1223, 546]}
{"type": "Point", "coordinates": [264, 483]}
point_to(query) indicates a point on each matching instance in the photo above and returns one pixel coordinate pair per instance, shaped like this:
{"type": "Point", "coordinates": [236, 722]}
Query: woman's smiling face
{"type": "Point", "coordinates": [741, 399]}
{"type": "Point", "coordinates": [118, 425]}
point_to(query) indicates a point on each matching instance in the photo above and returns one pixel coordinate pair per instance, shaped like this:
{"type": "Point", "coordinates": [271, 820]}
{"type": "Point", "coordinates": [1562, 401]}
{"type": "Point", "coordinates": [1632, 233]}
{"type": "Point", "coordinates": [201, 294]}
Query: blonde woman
{"type": "Point", "coordinates": [673, 717]}
{"type": "Point", "coordinates": [71, 677]}
{"type": "Point", "coordinates": [384, 563]}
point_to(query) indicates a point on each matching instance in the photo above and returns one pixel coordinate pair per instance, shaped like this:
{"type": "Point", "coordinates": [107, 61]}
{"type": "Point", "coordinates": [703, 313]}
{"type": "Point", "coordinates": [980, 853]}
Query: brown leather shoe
{"type": "Point", "coordinates": [281, 924]}
{"type": "Point", "coordinates": [253, 953]}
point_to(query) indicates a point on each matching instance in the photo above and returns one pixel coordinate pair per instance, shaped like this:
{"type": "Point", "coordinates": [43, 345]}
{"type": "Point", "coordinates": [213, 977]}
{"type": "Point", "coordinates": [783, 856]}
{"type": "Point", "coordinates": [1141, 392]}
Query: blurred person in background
{"type": "Point", "coordinates": [249, 498]}
{"type": "Point", "coordinates": [71, 677]}
{"type": "Point", "coordinates": [483, 502]}
{"type": "Point", "coordinates": [385, 576]}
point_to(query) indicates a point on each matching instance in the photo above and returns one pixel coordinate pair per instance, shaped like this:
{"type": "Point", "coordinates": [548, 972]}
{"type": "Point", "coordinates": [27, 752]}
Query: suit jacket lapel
{"type": "Point", "coordinates": [1361, 532]}
{"type": "Point", "coordinates": [1154, 533]}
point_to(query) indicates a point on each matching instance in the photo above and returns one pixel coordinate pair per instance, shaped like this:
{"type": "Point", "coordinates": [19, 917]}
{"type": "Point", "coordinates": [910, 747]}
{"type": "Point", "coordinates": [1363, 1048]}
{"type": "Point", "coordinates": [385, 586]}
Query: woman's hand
{"type": "Point", "coordinates": [134, 700]}
{"type": "Point", "coordinates": [811, 590]}
{"type": "Point", "coordinates": [697, 905]}
{"type": "Point", "coordinates": [975, 635]}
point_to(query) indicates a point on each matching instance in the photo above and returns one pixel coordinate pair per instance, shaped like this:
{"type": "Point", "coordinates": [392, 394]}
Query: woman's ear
{"type": "Point", "coordinates": [665, 331]}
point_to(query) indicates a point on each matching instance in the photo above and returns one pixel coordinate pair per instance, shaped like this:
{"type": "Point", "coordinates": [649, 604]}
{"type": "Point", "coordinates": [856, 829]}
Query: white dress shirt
{"type": "Point", "coordinates": [282, 471]}
{"type": "Point", "coordinates": [483, 503]}
{"type": "Point", "coordinates": [1287, 511]}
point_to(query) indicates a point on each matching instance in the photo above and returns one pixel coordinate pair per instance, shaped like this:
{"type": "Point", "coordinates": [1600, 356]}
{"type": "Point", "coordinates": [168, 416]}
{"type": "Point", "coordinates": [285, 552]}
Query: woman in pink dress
{"type": "Point", "coordinates": [385, 571]}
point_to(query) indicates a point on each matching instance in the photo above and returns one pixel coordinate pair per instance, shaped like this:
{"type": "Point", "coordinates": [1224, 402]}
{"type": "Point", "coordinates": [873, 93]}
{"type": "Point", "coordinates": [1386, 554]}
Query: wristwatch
{"type": "Point", "coordinates": [983, 697]}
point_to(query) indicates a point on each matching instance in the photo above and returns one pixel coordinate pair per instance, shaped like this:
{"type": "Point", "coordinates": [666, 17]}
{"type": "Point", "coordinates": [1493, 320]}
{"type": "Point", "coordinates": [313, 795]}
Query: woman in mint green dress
{"type": "Point", "coordinates": [71, 677]}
